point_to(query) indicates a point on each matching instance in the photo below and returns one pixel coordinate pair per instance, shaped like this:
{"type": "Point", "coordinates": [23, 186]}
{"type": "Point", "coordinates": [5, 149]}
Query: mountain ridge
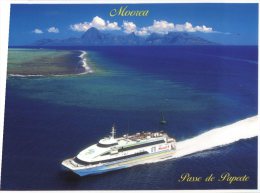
{"type": "Point", "coordinates": [95, 37]}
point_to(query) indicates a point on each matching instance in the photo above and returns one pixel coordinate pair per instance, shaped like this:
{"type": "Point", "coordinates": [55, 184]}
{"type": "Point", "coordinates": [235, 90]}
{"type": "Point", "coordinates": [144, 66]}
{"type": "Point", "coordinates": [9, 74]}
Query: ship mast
{"type": "Point", "coordinates": [163, 121]}
{"type": "Point", "coordinates": [113, 132]}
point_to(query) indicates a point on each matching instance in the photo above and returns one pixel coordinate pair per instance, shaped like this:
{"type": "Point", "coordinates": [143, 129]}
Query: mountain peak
{"type": "Point", "coordinates": [93, 30]}
{"type": "Point", "coordinates": [132, 34]}
{"type": "Point", "coordinates": [91, 33]}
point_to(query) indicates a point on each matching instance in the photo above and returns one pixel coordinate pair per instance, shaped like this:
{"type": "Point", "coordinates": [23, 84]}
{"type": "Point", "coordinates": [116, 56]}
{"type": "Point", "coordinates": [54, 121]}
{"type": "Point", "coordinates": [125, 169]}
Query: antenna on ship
{"type": "Point", "coordinates": [113, 132]}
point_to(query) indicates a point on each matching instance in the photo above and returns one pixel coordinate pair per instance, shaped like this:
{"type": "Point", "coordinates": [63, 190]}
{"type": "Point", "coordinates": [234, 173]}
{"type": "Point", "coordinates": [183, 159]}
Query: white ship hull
{"type": "Point", "coordinates": [82, 170]}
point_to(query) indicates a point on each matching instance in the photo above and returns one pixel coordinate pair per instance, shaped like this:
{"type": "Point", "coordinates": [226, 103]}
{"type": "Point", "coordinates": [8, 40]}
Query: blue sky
{"type": "Point", "coordinates": [233, 24]}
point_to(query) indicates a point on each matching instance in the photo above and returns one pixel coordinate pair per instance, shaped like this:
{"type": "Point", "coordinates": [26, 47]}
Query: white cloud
{"type": "Point", "coordinates": [80, 27]}
{"type": "Point", "coordinates": [112, 26]}
{"type": "Point", "coordinates": [96, 22]}
{"type": "Point", "coordinates": [53, 30]}
{"type": "Point", "coordinates": [158, 26]}
{"type": "Point", "coordinates": [37, 31]}
{"type": "Point", "coordinates": [142, 32]}
{"type": "Point", "coordinates": [189, 28]}
{"type": "Point", "coordinates": [203, 29]}
{"type": "Point", "coordinates": [184, 27]}
{"type": "Point", "coordinates": [129, 27]}
{"type": "Point", "coordinates": [164, 27]}
{"type": "Point", "coordinates": [161, 27]}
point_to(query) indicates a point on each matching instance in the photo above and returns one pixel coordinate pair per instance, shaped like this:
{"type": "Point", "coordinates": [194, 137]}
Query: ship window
{"type": "Point", "coordinates": [106, 145]}
{"type": "Point", "coordinates": [77, 160]}
{"type": "Point", "coordinates": [108, 153]}
{"type": "Point", "coordinates": [109, 160]}
{"type": "Point", "coordinates": [141, 145]}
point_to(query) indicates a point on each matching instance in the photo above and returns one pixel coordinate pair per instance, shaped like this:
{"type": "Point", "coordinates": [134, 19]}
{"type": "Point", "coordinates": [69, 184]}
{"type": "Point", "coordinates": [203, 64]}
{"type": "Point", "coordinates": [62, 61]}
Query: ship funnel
{"type": "Point", "coordinates": [113, 132]}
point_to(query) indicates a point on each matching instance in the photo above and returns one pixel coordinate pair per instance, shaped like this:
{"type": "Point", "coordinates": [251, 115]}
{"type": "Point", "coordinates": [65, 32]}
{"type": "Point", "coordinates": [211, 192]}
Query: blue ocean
{"type": "Point", "coordinates": [50, 116]}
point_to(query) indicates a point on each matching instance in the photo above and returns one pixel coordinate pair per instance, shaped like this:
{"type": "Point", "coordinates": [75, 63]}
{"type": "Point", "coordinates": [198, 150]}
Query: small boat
{"type": "Point", "coordinates": [163, 121]}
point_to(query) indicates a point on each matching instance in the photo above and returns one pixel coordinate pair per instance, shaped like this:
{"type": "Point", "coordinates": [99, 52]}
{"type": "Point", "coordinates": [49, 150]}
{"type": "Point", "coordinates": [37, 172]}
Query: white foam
{"type": "Point", "coordinates": [217, 137]}
{"type": "Point", "coordinates": [84, 63]}
{"type": "Point", "coordinates": [21, 75]}
{"type": "Point", "coordinates": [221, 136]}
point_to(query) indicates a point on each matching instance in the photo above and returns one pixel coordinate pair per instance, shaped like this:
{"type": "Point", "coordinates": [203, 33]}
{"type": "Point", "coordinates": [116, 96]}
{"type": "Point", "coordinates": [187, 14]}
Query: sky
{"type": "Point", "coordinates": [229, 24]}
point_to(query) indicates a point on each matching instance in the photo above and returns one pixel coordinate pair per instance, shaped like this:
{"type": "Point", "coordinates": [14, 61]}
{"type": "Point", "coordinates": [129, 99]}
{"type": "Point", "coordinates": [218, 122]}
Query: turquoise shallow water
{"type": "Point", "coordinates": [38, 62]}
{"type": "Point", "coordinates": [119, 87]}
{"type": "Point", "coordinates": [110, 92]}
{"type": "Point", "coordinates": [51, 118]}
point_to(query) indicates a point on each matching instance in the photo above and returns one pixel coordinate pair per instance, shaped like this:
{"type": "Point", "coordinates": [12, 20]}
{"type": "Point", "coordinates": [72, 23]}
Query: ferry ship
{"type": "Point", "coordinates": [112, 153]}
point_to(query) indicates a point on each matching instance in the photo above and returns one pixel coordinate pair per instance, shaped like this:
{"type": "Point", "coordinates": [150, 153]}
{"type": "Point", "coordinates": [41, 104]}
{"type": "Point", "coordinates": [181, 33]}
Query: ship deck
{"type": "Point", "coordinates": [144, 135]}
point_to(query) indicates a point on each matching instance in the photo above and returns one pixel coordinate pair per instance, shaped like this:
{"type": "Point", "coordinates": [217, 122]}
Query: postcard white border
{"type": "Point", "coordinates": [5, 6]}
{"type": "Point", "coordinates": [4, 31]}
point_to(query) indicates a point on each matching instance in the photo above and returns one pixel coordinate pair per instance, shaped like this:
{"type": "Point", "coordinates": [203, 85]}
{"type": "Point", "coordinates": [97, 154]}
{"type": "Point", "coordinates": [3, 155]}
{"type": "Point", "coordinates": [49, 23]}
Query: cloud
{"type": "Point", "coordinates": [164, 27]}
{"type": "Point", "coordinates": [161, 27]}
{"type": "Point", "coordinates": [80, 27]}
{"type": "Point", "coordinates": [53, 30]}
{"type": "Point", "coordinates": [96, 22]}
{"type": "Point", "coordinates": [142, 32]}
{"type": "Point", "coordinates": [189, 28]}
{"type": "Point", "coordinates": [112, 26]}
{"type": "Point", "coordinates": [184, 27]}
{"type": "Point", "coordinates": [158, 26]}
{"type": "Point", "coordinates": [129, 27]}
{"type": "Point", "coordinates": [37, 31]}
{"type": "Point", "coordinates": [203, 29]}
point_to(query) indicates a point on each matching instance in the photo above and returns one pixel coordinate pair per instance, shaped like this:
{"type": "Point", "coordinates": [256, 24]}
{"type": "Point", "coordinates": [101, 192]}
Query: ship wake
{"type": "Point", "coordinates": [217, 137]}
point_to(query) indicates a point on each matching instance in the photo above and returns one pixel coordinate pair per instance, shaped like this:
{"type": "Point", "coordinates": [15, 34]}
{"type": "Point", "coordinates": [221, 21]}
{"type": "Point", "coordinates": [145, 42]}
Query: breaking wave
{"type": "Point", "coordinates": [84, 63]}
{"type": "Point", "coordinates": [28, 75]}
{"type": "Point", "coordinates": [34, 75]}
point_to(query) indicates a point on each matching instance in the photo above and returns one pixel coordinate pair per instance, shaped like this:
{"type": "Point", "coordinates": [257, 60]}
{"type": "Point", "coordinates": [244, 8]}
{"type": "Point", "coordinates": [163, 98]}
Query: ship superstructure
{"type": "Point", "coordinates": [112, 153]}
